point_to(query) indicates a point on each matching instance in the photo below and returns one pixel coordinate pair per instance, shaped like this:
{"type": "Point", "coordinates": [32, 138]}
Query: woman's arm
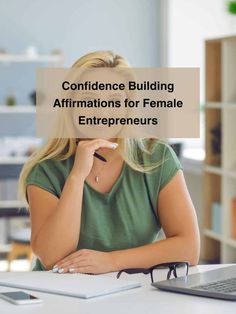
{"type": "Point", "coordinates": [182, 242]}
{"type": "Point", "coordinates": [55, 223]}
{"type": "Point", "coordinates": [179, 222]}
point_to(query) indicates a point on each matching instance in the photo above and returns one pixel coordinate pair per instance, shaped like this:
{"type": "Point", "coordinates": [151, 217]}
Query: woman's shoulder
{"type": "Point", "coordinates": [158, 150]}
{"type": "Point", "coordinates": [166, 160]}
{"type": "Point", "coordinates": [165, 149]}
{"type": "Point", "coordinates": [51, 169]}
{"type": "Point", "coordinates": [50, 174]}
{"type": "Point", "coordinates": [170, 163]}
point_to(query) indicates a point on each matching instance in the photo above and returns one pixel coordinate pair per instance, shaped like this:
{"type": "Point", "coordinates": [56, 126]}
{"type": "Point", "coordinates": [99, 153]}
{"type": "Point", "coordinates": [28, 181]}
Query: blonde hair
{"type": "Point", "coordinates": [63, 148]}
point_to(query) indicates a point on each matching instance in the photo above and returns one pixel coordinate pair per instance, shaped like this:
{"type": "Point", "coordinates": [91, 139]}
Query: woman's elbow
{"type": "Point", "coordinates": [48, 254]}
{"type": "Point", "coordinates": [42, 255]}
{"type": "Point", "coordinates": [194, 260]}
{"type": "Point", "coordinates": [194, 251]}
{"type": "Point", "coordinates": [44, 260]}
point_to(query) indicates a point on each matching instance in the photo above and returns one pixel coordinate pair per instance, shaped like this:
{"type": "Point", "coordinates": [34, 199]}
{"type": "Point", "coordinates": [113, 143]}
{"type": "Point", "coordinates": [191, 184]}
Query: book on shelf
{"type": "Point", "coordinates": [233, 218]}
{"type": "Point", "coordinates": [216, 217]}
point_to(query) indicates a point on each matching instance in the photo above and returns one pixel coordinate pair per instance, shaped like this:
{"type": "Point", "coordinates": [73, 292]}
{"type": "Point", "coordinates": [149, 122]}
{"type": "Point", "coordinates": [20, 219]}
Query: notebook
{"type": "Point", "coordinates": [74, 285]}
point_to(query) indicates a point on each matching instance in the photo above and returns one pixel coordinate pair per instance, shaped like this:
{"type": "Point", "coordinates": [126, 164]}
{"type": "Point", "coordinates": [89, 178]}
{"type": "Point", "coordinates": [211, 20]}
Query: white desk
{"type": "Point", "coordinates": [143, 300]}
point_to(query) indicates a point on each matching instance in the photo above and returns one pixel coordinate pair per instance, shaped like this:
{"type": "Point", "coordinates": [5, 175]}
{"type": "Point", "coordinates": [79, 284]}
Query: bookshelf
{"type": "Point", "coordinates": [24, 109]}
{"type": "Point", "coordinates": [56, 58]}
{"type": "Point", "coordinates": [218, 246]}
{"type": "Point", "coordinates": [14, 122]}
{"type": "Point", "coordinates": [13, 116]}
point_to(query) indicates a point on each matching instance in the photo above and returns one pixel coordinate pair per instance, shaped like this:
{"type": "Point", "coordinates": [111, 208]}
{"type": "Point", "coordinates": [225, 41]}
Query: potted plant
{"type": "Point", "coordinates": [231, 6]}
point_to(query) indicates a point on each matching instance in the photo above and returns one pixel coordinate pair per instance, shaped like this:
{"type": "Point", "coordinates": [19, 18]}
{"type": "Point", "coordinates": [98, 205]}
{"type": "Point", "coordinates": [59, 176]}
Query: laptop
{"type": "Point", "coordinates": [219, 283]}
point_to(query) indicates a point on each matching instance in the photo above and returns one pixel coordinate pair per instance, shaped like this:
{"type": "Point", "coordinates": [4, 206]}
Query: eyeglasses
{"type": "Point", "coordinates": [178, 269]}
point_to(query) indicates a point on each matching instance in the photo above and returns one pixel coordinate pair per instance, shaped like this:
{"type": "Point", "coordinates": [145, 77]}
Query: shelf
{"type": "Point", "coordinates": [230, 106]}
{"type": "Point", "coordinates": [220, 171]}
{"type": "Point", "coordinates": [11, 204]}
{"type": "Point", "coordinates": [214, 105]}
{"type": "Point", "coordinates": [214, 169]}
{"type": "Point", "coordinates": [5, 248]}
{"type": "Point", "coordinates": [218, 237]}
{"type": "Point", "coordinates": [220, 105]}
{"type": "Point", "coordinates": [231, 242]}
{"type": "Point", "coordinates": [53, 58]}
{"type": "Point", "coordinates": [13, 160]}
{"type": "Point", "coordinates": [17, 109]}
{"type": "Point", "coordinates": [230, 174]}
{"type": "Point", "coordinates": [213, 235]}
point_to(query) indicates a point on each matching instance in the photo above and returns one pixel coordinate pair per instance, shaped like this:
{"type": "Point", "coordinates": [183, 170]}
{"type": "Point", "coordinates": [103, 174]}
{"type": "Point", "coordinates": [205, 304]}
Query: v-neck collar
{"type": "Point", "coordinates": [114, 187]}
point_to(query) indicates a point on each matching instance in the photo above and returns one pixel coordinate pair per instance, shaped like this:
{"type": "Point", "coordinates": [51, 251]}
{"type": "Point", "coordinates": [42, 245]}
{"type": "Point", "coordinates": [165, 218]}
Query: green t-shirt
{"type": "Point", "coordinates": [126, 217]}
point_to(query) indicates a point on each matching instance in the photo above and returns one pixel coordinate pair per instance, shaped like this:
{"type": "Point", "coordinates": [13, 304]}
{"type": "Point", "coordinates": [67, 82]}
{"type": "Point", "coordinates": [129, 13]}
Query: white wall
{"type": "Point", "coordinates": [129, 27]}
{"type": "Point", "coordinates": [191, 22]}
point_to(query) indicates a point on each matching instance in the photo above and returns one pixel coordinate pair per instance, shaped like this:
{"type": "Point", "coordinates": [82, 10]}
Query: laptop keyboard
{"type": "Point", "coordinates": [222, 286]}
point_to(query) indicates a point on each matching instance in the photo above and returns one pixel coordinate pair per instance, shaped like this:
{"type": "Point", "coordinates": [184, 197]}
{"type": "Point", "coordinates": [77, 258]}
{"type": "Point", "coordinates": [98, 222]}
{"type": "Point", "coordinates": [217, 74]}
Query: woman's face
{"type": "Point", "coordinates": [98, 112]}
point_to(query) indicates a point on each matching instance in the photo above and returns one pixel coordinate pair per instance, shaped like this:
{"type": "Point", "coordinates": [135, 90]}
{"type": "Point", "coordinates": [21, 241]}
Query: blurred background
{"type": "Point", "coordinates": [149, 33]}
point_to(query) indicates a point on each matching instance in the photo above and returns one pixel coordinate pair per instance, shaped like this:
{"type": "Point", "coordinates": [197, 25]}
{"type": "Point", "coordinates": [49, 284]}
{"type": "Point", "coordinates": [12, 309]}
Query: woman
{"type": "Point", "coordinates": [89, 216]}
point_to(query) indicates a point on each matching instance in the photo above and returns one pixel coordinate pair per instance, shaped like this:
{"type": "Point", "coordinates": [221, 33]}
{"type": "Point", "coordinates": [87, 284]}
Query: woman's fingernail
{"type": "Point", "coordinates": [61, 270]}
{"type": "Point", "coordinates": [114, 145]}
{"type": "Point", "coordinates": [71, 270]}
{"type": "Point", "coordinates": [55, 269]}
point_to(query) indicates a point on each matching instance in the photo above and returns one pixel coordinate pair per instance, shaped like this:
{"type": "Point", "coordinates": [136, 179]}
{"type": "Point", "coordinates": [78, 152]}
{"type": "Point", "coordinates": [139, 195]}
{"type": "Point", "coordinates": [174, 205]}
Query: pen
{"type": "Point", "coordinates": [99, 157]}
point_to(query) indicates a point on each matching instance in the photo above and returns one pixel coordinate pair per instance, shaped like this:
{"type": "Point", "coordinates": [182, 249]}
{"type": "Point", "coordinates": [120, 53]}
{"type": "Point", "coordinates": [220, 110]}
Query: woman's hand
{"type": "Point", "coordinates": [84, 155]}
{"type": "Point", "coordinates": [86, 261]}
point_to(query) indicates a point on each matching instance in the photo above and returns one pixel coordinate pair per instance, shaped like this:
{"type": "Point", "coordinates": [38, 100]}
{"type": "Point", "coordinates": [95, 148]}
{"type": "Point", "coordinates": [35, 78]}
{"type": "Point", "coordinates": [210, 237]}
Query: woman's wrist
{"type": "Point", "coordinates": [114, 255]}
{"type": "Point", "coordinates": [75, 177]}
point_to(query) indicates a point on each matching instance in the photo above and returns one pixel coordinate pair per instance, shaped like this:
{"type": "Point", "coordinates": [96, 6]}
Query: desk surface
{"type": "Point", "coordinates": [146, 300]}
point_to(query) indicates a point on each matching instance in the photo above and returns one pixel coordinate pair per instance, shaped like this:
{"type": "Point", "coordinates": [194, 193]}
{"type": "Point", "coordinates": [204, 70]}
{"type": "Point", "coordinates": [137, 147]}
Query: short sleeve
{"type": "Point", "coordinates": [170, 165]}
{"type": "Point", "coordinates": [40, 177]}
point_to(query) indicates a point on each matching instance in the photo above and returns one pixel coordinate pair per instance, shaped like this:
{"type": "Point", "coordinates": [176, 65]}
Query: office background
{"type": "Point", "coordinates": [149, 33]}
